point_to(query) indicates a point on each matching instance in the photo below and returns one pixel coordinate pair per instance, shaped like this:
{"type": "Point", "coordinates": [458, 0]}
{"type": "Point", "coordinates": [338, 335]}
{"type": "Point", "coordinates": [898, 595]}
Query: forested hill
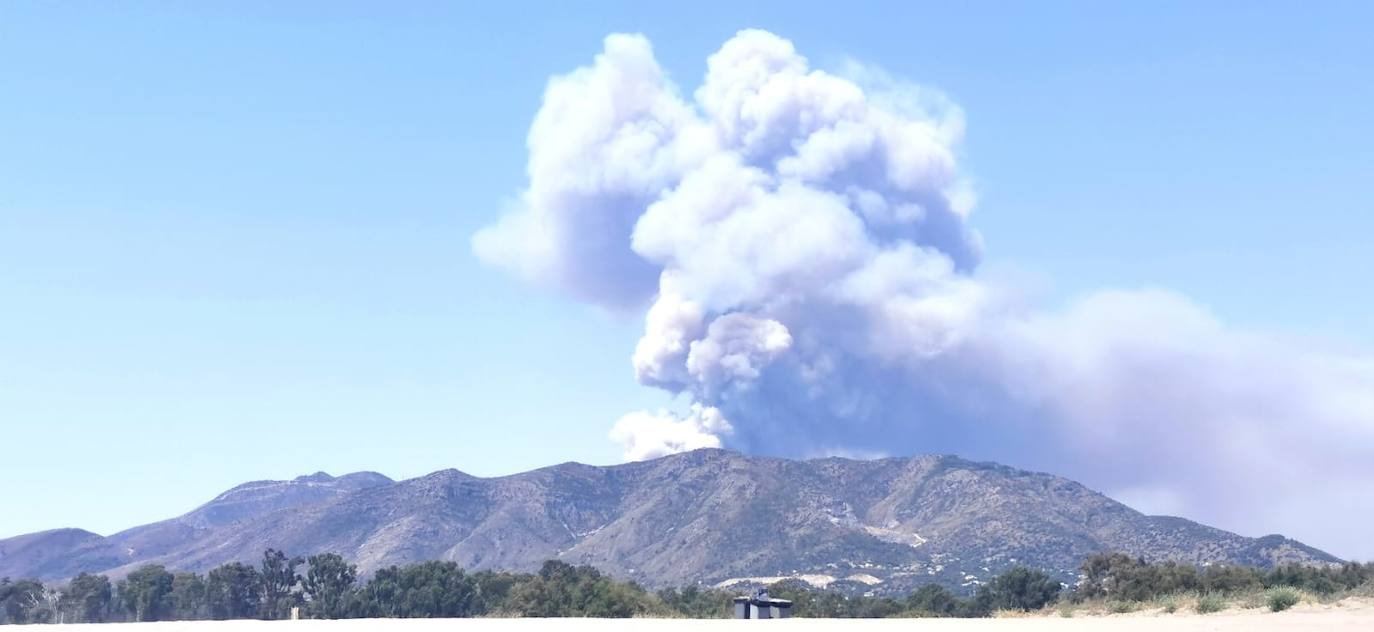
{"type": "Point", "coordinates": [704, 517]}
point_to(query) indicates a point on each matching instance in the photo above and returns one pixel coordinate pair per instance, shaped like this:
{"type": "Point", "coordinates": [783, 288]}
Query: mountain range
{"type": "Point", "coordinates": [707, 517]}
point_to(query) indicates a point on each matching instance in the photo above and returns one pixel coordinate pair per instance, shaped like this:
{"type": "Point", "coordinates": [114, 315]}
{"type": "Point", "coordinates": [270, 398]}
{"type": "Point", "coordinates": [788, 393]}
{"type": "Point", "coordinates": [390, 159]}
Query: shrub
{"type": "Point", "coordinates": [1210, 603]}
{"type": "Point", "coordinates": [1018, 589]}
{"type": "Point", "coordinates": [1121, 577]}
{"type": "Point", "coordinates": [1281, 599]}
{"type": "Point", "coordinates": [934, 600]}
{"type": "Point", "coordinates": [1251, 600]}
{"type": "Point", "coordinates": [1122, 607]}
{"type": "Point", "coordinates": [695, 603]}
{"type": "Point", "coordinates": [1231, 579]}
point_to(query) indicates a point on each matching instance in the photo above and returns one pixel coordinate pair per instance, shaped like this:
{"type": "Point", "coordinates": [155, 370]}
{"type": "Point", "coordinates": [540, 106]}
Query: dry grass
{"type": "Point", "coordinates": [1209, 603]}
{"type": "Point", "coordinates": [1272, 600]}
{"type": "Point", "coordinates": [1168, 604]}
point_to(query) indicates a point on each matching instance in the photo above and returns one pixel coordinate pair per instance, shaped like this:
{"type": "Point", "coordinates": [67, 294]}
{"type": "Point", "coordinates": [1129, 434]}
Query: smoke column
{"type": "Point", "coordinates": [800, 244]}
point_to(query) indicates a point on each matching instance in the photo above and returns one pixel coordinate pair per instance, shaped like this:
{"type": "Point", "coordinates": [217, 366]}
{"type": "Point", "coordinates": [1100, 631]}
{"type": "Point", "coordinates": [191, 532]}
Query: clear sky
{"type": "Point", "coordinates": [234, 239]}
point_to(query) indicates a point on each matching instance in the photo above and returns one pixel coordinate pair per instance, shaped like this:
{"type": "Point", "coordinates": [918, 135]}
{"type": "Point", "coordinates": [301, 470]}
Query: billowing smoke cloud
{"type": "Point", "coordinates": [647, 435]}
{"type": "Point", "coordinates": [801, 243]}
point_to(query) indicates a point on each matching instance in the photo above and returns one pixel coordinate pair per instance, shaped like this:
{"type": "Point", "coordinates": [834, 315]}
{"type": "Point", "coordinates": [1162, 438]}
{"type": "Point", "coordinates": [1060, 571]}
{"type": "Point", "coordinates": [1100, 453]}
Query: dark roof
{"type": "Point", "coordinates": [785, 603]}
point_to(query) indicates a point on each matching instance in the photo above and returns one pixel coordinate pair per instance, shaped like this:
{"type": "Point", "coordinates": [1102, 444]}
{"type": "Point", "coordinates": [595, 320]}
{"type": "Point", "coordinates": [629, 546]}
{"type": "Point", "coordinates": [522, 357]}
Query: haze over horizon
{"type": "Point", "coordinates": [1127, 264]}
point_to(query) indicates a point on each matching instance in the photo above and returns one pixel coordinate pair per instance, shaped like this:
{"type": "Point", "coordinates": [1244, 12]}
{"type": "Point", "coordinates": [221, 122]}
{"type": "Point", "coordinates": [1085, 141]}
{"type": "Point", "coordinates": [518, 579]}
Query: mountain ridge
{"type": "Point", "coordinates": [704, 517]}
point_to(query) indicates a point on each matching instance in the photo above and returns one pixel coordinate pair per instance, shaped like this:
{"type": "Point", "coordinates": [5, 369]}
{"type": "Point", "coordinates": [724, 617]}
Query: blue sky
{"type": "Point", "coordinates": [234, 239]}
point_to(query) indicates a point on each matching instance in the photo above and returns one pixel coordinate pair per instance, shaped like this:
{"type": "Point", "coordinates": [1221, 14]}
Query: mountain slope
{"type": "Point", "coordinates": [708, 516]}
{"type": "Point", "coordinates": [236, 508]}
{"type": "Point", "coordinates": [42, 554]}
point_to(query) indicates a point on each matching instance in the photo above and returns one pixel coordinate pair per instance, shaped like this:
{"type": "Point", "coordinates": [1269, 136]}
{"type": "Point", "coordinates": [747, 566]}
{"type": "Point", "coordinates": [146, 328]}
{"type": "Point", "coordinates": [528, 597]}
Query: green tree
{"type": "Point", "coordinates": [233, 591]}
{"type": "Point", "coordinates": [188, 597]}
{"type": "Point", "coordinates": [24, 601]}
{"type": "Point", "coordinates": [1103, 573]}
{"type": "Point", "coordinates": [933, 599]}
{"type": "Point", "coordinates": [328, 583]}
{"type": "Point", "coordinates": [694, 603]}
{"type": "Point", "coordinates": [1124, 578]}
{"type": "Point", "coordinates": [1229, 579]}
{"type": "Point", "coordinates": [1017, 589]}
{"type": "Point", "coordinates": [429, 589]}
{"type": "Point", "coordinates": [145, 593]}
{"type": "Point", "coordinates": [87, 599]}
{"type": "Point", "coordinates": [279, 580]}
{"type": "Point", "coordinates": [813, 604]}
{"type": "Point", "coordinates": [563, 590]}
{"type": "Point", "coordinates": [876, 607]}
{"type": "Point", "coordinates": [491, 590]}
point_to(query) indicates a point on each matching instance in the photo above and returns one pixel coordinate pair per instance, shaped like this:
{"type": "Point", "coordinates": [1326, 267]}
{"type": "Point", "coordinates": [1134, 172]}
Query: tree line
{"type": "Point", "coordinates": [326, 586]}
{"type": "Point", "coordinates": [1120, 577]}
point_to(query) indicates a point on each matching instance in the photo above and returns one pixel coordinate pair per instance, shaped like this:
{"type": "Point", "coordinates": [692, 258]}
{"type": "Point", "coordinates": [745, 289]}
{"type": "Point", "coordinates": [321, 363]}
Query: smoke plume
{"type": "Point", "coordinates": [800, 243]}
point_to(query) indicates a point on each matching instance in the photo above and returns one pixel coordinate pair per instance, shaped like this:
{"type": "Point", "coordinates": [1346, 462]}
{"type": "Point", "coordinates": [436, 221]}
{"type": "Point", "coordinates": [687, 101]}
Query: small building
{"type": "Point", "coordinates": [762, 607]}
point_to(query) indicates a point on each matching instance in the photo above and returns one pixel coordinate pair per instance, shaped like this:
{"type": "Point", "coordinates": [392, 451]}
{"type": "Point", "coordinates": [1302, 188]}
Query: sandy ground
{"type": "Point", "coordinates": [1352, 617]}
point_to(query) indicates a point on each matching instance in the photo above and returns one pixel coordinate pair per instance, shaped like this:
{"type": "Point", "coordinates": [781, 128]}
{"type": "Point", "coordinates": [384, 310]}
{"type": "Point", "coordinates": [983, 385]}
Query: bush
{"type": "Point", "coordinates": [1210, 603]}
{"type": "Point", "coordinates": [1122, 607]}
{"type": "Point", "coordinates": [1229, 579]}
{"type": "Point", "coordinates": [1125, 578]}
{"type": "Point", "coordinates": [1281, 599]}
{"type": "Point", "coordinates": [1121, 577]}
{"type": "Point", "coordinates": [695, 603]}
{"type": "Point", "coordinates": [1018, 589]}
{"type": "Point", "coordinates": [933, 600]}
{"type": "Point", "coordinates": [563, 590]}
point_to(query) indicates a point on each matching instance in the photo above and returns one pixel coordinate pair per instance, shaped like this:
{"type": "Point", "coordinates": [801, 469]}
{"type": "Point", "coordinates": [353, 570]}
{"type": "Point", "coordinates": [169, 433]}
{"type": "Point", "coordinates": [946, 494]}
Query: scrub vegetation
{"type": "Point", "coordinates": [328, 587]}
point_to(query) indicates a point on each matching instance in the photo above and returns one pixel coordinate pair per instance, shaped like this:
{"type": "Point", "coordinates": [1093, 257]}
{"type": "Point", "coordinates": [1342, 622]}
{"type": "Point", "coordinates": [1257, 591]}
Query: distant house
{"type": "Point", "coordinates": [762, 607]}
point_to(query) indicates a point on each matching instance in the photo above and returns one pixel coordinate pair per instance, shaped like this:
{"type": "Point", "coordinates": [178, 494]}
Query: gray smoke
{"type": "Point", "coordinates": [802, 243]}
